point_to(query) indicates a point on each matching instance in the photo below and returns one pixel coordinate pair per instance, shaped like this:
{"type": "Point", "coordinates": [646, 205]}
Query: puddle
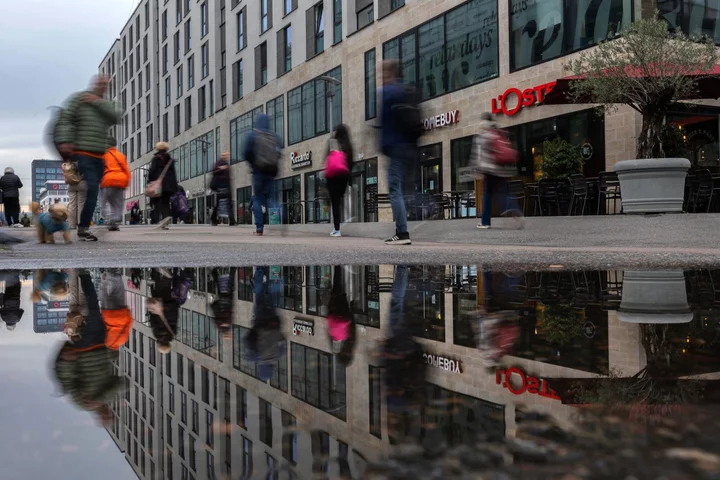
{"type": "Point", "coordinates": [354, 372]}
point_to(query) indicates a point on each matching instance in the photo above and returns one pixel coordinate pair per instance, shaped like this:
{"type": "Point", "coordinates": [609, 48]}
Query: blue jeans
{"type": "Point", "coordinates": [496, 187]}
{"type": "Point", "coordinates": [401, 157]}
{"type": "Point", "coordinates": [263, 194]}
{"type": "Point", "coordinates": [397, 300]}
{"type": "Point", "coordinates": [92, 170]}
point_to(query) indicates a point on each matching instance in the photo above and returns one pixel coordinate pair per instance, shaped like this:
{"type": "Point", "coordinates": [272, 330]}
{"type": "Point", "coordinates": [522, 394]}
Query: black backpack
{"type": "Point", "coordinates": [408, 114]}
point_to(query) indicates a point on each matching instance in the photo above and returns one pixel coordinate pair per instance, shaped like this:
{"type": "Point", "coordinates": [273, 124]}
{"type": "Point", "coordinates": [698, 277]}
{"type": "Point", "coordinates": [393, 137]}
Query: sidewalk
{"type": "Point", "coordinates": [667, 241]}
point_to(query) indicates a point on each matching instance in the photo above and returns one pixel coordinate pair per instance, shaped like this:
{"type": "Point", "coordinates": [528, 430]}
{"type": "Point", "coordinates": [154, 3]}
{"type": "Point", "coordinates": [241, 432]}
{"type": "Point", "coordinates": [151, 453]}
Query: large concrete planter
{"type": "Point", "coordinates": [652, 185]}
{"type": "Point", "coordinates": [654, 297]}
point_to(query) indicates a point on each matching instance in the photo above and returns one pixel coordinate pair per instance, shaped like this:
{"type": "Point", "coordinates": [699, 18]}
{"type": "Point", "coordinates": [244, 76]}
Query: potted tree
{"type": "Point", "coordinates": [560, 159]}
{"type": "Point", "coordinates": [648, 68]}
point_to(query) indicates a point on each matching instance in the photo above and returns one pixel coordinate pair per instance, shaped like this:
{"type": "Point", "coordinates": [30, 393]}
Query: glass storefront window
{"type": "Point", "coordinates": [462, 173]}
{"type": "Point", "coordinates": [696, 139]}
{"type": "Point", "coordinates": [239, 128]}
{"type": "Point", "coordinates": [547, 29]}
{"type": "Point", "coordinates": [695, 18]}
{"type": "Point", "coordinates": [451, 52]}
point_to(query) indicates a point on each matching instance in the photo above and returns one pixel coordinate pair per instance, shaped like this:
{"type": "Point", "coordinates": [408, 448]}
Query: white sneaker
{"type": "Point", "coordinates": [335, 233]}
{"type": "Point", "coordinates": [483, 227]}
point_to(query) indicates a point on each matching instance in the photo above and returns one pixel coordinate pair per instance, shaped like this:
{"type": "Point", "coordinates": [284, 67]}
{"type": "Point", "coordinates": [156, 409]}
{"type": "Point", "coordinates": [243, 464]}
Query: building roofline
{"type": "Point", "coordinates": [109, 51]}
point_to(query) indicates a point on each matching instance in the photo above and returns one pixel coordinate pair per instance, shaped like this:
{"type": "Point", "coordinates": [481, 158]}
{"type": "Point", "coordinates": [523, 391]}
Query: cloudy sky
{"type": "Point", "coordinates": [48, 50]}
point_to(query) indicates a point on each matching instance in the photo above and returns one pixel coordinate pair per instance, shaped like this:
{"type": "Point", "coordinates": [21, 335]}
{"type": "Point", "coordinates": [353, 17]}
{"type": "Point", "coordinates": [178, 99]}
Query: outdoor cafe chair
{"type": "Point", "coordinates": [608, 190]}
{"type": "Point", "coordinates": [516, 191]}
{"type": "Point", "coordinates": [579, 193]}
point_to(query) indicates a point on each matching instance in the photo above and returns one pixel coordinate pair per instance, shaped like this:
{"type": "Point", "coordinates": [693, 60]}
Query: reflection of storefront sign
{"type": "Point", "coordinates": [466, 174]}
{"type": "Point", "coordinates": [298, 160]}
{"type": "Point", "coordinates": [443, 120]}
{"type": "Point", "coordinates": [58, 306]}
{"type": "Point", "coordinates": [589, 329]}
{"type": "Point", "coordinates": [443, 363]}
{"type": "Point", "coordinates": [371, 181]}
{"type": "Point", "coordinates": [302, 326]}
{"type": "Point", "coordinates": [513, 99]}
{"type": "Point", "coordinates": [586, 151]}
{"type": "Point", "coordinates": [131, 286]}
{"type": "Point", "coordinates": [528, 384]}
{"type": "Point", "coordinates": [373, 305]}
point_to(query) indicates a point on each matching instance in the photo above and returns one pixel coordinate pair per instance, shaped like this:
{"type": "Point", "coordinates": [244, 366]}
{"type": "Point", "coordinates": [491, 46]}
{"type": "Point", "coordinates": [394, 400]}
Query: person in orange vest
{"type": "Point", "coordinates": [114, 182]}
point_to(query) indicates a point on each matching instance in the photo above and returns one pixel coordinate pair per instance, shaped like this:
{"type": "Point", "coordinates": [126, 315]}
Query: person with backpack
{"type": "Point", "coordinates": [162, 172]}
{"type": "Point", "coordinates": [337, 172]}
{"type": "Point", "coordinates": [80, 133]}
{"type": "Point", "coordinates": [494, 157]}
{"type": "Point", "coordinates": [10, 185]}
{"type": "Point", "coordinates": [401, 128]}
{"type": "Point", "coordinates": [262, 151]}
{"type": "Point", "coordinates": [114, 182]}
{"type": "Point", "coordinates": [221, 185]}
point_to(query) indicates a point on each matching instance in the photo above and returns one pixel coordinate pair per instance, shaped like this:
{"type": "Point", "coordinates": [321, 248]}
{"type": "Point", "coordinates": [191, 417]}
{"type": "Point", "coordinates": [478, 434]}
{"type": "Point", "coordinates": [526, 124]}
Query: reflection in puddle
{"type": "Point", "coordinates": [313, 372]}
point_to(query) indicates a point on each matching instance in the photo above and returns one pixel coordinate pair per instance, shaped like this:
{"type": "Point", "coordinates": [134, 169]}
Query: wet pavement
{"type": "Point", "coordinates": [359, 371]}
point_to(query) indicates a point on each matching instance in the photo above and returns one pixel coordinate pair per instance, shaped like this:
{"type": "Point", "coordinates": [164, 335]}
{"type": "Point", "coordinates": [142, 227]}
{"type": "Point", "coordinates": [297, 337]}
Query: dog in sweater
{"type": "Point", "coordinates": [49, 223]}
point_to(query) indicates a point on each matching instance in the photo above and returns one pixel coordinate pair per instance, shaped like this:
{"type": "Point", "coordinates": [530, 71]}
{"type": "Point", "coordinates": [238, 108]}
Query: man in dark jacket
{"type": "Point", "coordinates": [10, 185]}
{"type": "Point", "coordinates": [395, 144]}
{"type": "Point", "coordinates": [10, 311]}
{"type": "Point", "coordinates": [161, 204]}
{"type": "Point", "coordinates": [221, 184]}
{"type": "Point", "coordinates": [262, 151]}
{"type": "Point", "coordinates": [81, 132]}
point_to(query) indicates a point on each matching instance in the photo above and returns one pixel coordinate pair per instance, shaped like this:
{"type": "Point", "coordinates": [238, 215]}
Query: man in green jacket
{"type": "Point", "coordinates": [81, 133]}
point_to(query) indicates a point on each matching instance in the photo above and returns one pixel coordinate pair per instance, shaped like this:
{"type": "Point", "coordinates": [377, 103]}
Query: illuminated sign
{"type": "Point", "coordinates": [443, 363]}
{"type": "Point", "coordinates": [443, 120]}
{"type": "Point", "coordinates": [513, 100]}
{"type": "Point", "coordinates": [527, 384]}
{"type": "Point", "coordinates": [298, 160]}
{"type": "Point", "coordinates": [302, 326]}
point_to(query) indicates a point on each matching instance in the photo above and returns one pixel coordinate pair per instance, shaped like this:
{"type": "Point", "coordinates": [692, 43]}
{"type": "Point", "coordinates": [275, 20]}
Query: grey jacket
{"type": "Point", "coordinates": [482, 157]}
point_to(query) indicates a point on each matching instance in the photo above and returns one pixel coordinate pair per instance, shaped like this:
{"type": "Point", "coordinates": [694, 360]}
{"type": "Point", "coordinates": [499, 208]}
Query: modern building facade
{"type": "Point", "coordinates": [53, 191]}
{"type": "Point", "coordinates": [49, 317]}
{"type": "Point", "coordinates": [197, 74]}
{"type": "Point", "coordinates": [42, 171]}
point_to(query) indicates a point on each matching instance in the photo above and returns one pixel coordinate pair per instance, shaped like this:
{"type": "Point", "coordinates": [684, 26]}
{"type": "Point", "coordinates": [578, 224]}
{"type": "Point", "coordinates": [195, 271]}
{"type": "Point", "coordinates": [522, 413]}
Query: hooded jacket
{"type": "Point", "coordinates": [117, 172]}
{"type": "Point", "coordinates": [10, 185]}
{"type": "Point", "coordinates": [262, 124]}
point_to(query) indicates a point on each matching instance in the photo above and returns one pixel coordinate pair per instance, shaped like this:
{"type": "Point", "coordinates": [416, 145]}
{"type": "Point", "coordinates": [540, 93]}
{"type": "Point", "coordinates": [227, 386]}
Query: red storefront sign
{"type": "Point", "coordinates": [513, 100]}
{"type": "Point", "coordinates": [531, 385]}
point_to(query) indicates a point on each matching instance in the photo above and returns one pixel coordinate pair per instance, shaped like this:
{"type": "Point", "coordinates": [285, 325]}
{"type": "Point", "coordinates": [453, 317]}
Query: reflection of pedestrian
{"type": "Point", "coordinates": [341, 327]}
{"type": "Point", "coordinates": [337, 178]}
{"type": "Point", "coordinates": [10, 185]}
{"type": "Point", "coordinates": [164, 307]}
{"type": "Point", "coordinates": [10, 311]}
{"type": "Point", "coordinates": [222, 308]}
{"type": "Point", "coordinates": [265, 343]}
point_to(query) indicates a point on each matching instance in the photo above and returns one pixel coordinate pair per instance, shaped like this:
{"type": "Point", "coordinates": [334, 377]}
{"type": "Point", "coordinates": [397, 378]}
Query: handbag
{"type": "Point", "coordinates": [70, 173]}
{"type": "Point", "coordinates": [336, 164]}
{"type": "Point", "coordinates": [154, 188]}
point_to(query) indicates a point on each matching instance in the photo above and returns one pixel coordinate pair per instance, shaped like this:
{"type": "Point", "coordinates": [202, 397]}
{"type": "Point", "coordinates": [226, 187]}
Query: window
{"type": "Point", "coordinates": [211, 94]}
{"type": "Point", "coordinates": [241, 406]}
{"type": "Point", "coordinates": [210, 466]}
{"type": "Point", "coordinates": [247, 458]}
{"type": "Point", "coordinates": [203, 19]}
{"type": "Point", "coordinates": [191, 71]}
{"type": "Point", "coordinates": [210, 436]}
{"type": "Point", "coordinates": [308, 110]}
{"type": "Point", "coordinates": [147, 15]}
{"type": "Point", "coordinates": [694, 18]}
{"type": "Point", "coordinates": [165, 58]}
{"type": "Point", "coordinates": [188, 6]}
{"type": "Point", "coordinates": [191, 376]}
{"type": "Point", "coordinates": [148, 143]}
{"type": "Point", "coordinates": [147, 108]}
{"type": "Point", "coordinates": [147, 77]}
{"type": "Point", "coordinates": [265, 15]}
{"type": "Point", "coordinates": [289, 6]}
{"type": "Point", "coordinates": [284, 50]}
{"type": "Point", "coordinates": [188, 112]}
{"type": "Point", "coordinates": [241, 28]}
{"type": "Point", "coordinates": [417, 49]}
{"type": "Point", "coordinates": [179, 75]}
{"type": "Point", "coordinates": [202, 105]}
{"type": "Point", "coordinates": [137, 28]}
{"type": "Point", "coordinates": [195, 418]}
{"type": "Point", "coordinates": [167, 91]}
{"type": "Point", "coordinates": [205, 60]}
{"type": "Point", "coordinates": [375, 381]}
{"type": "Point", "coordinates": [188, 36]}
{"type": "Point", "coordinates": [176, 44]}
{"type": "Point", "coordinates": [178, 11]}
{"type": "Point", "coordinates": [337, 21]}
{"type": "Point", "coordinates": [370, 87]}
{"type": "Point", "coordinates": [165, 128]}
{"type": "Point", "coordinates": [315, 24]}
{"type": "Point", "coordinates": [386, 7]}
{"type": "Point", "coordinates": [132, 65]}
{"type": "Point", "coordinates": [276, 114]}
{"type": "Point", "coordinates": [164, 26]}
{"type": "Point", "coordinates": [290, 439]}
{"type": "Point", "coordinates": [191, 453]}
{"type": "Point", "coordinates": [177, 120]}
{"type": "Point", "coordinates": [237, 80]}
{"type": "Point", "coordinates": [261, 74]}
{"type": "Point", "coordinates": [145, 49]}
{"type": "Point", "coordinates": [550, 29]}
{"type": "Point", "coordinates": [318, 380]}
{"type": "Point", "coordinates": [239, 127]}
{"type": "Point", "coordinates": [181, 442]}
{"type": "Point", "coordinates": [366, 16]}
{"type": "Point", "coordinates": [168, 427]}
{"type": "Point", "coordinates": [265, 419]}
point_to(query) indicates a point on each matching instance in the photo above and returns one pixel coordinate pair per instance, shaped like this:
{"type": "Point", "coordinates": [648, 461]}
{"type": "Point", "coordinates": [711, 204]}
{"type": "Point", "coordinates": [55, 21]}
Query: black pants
{"type": "Point", "coordinates": [336, 188]}
{"type": "Point", "coordinates": [231, 214]}
{"type": "Point", "coordinates": [161, 208]}
{"type": "Point", "coordinates": [12, 210]}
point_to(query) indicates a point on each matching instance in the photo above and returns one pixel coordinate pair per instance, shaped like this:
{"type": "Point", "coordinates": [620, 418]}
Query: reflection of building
{"type": "Point", "coordinates": [42, 171]}
{"type": "Point", "coordinates": [53, 191]}
{"type": "Point", "coordinates": [49, 316]}
{"type": "Point", "coordinates": [203, 410]}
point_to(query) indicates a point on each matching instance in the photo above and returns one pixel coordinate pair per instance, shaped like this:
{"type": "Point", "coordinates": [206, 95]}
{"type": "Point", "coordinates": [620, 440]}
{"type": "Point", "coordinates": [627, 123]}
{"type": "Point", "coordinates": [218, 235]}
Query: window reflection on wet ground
{"type": "Point", "coordinates": [324, 371]}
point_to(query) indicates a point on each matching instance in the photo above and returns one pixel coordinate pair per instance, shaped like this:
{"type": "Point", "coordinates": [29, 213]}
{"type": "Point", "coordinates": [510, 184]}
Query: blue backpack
{"type": "Point", "coordinates": [179, 204]}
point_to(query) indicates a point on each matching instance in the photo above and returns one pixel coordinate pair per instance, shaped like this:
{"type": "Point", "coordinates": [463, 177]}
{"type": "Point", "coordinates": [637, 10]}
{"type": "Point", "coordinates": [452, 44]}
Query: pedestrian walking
{"type": "Point", "coordinates": [262, 151]}
{"type": "Point", "coordinates": [495, 159]}
{"type": "Point", "coordinates": [337, 172]}
{"type": "Point", "coordinates": [10, 185]}
{"type": "Point", "coordinates": [221, 184]}
{"type": "Point", "coordinates": [162, 170]}
{"type": "Point", "coordinates": [80, 133]}
{"type": "Point", "coordinates": [401, 129]}
{"type": "Point", "coordinates": [114, 182]}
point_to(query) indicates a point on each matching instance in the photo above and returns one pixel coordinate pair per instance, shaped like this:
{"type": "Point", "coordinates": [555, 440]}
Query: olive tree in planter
{"type": "Point", "coordinates": [648, 68]}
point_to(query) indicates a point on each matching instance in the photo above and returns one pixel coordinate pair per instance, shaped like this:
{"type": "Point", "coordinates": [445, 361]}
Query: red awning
{"type": "Point", "coordinates": [708, 83]}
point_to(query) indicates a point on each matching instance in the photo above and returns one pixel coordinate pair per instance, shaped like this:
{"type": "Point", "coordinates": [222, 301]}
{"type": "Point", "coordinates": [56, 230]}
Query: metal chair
{"type": "Point", "coordinates": [547, 196]}
{"type": "Point", "coordinates": [579, 192]}
{"type": "Point", "coordinates": [704, 189]}
{"type": "Point", "coordinates": [516, 191]}
{"type": "Point", "coordinates": [608, 189]}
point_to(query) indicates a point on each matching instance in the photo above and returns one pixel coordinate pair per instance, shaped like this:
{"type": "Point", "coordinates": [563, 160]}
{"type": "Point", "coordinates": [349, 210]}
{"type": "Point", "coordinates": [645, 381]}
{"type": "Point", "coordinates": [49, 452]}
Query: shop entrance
{"type": "Point", "coordinates": [244, 209]}
{"type": "Point", "coordinates": [430, 175]}
{"type": "Point", "coordinates": [694, 136]}
{"type": "Point", "coordinates": [287, 192]}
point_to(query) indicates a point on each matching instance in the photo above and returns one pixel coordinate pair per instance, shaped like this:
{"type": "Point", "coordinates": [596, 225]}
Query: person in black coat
{"type": "Point", "coordinates": [10, 311]}
{"type": "Point", "coordinates": [221, 184]}
{"type": "Point", "coordinates": [161, 204]}
{"type": "Point", "coordinates": [10, 185]}
{"type": "Point", "coordinates": [164, 307]}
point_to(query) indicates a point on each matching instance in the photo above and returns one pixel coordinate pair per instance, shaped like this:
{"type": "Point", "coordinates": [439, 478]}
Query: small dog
{"type": "Point", "coordinates": [50, 222]}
